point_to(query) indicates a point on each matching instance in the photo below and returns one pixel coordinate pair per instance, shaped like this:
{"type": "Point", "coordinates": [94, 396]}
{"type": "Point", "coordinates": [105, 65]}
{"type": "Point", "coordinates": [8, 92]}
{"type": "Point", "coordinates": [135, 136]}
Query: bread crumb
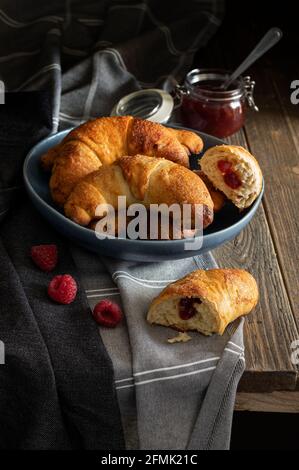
{"type": "Point", "coordinates": [180, 338]}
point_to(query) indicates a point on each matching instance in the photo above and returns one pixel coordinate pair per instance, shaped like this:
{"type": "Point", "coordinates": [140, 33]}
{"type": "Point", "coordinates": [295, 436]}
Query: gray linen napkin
{"type": "Point", "coordinates": [184, 393]}
{"type": "Point", "coordinates": [89, 54]}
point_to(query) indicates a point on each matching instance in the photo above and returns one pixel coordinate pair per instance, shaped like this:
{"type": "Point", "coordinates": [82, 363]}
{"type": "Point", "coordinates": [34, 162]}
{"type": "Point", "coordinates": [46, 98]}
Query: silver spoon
{"type": "Point", "coordinates": [269, 40]}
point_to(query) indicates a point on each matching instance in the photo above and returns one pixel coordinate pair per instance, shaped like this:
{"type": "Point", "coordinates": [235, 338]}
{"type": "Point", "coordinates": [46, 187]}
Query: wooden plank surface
{"type": "Point", "coordinates": [272, 135]}
{"type": "Point", "coordinates": [281, 81]}
{"type": "Point", "coordinates": [270, 330]}
{"type": "Point", "coordinates": [268, 247]}
{"type": "Point", "coordinates": [276, 402]}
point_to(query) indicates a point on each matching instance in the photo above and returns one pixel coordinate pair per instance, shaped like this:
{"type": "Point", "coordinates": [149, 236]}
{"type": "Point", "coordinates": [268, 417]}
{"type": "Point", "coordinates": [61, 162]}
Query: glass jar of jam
{"type": "Point", "coordinates": [208, 108]}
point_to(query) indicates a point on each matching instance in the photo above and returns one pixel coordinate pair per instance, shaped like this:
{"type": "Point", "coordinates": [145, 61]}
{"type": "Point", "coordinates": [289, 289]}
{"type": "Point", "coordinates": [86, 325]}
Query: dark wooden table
{"type": "Point", "coordinates": [268, 248]}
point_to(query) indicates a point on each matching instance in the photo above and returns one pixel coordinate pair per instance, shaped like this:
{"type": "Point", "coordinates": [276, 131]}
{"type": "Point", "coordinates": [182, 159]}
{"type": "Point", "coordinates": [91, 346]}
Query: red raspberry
{"type": "Point", "coordinates": [62, 289]}
{"type": "Point", "coordinates": [44, 256]}
{"type": "Point", "coordinates": [107, 313]}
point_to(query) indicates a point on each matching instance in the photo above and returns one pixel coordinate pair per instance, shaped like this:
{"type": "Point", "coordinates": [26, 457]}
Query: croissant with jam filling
{"type": "Point", "coordinates": [205, 301]}
{"type": "Point", "coordinates": [235, 172]}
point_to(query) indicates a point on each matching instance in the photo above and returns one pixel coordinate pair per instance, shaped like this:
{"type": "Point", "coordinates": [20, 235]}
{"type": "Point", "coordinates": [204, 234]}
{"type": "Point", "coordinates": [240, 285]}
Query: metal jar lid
{"type": "Point", "coordinates": [153, 104]}
{"type": "Point", "coordinates": [244, 87]}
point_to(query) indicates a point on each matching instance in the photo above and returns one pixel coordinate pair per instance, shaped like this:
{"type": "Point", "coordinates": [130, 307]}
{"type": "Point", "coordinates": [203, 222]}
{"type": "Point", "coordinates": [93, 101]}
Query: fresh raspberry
{"type": "Point", "coordinates": [44, 256]}
{"type": "Point", "coordinates": [62, 289]}
{"type": "Point", "coordinates": [107, 313]}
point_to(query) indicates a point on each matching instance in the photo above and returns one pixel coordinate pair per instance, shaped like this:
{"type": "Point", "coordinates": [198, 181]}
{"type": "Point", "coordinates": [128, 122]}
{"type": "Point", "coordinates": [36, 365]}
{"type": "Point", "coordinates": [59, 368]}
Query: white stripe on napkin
{"type": "Point", "coordinates": [123, 380]}
{"type": "Point", "coordinates": [72, 119]}
{"type": "Point", "coordinates": [140, 279]}
{"type": "Point", "coordinates": [137, 282]}
{"type": "Point", "coordinates": [236, 346]}
{"type": "Point", "coordinates": [175, 367]}
{"type": "Point", "coordinates": [94, 296]}
{"type": "Point", "coordinates": [104, 292]}
{"type": "Point", "coordinates": [233, 352]}
{"type": "Point", "coordinates": [101, 290]}
{"type": "Point", "coordinates": [171, 377]}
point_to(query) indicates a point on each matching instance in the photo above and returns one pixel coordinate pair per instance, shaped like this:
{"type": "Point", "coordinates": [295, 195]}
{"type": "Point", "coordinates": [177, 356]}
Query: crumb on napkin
{"type": "Point", "coordinates": [180, 338]}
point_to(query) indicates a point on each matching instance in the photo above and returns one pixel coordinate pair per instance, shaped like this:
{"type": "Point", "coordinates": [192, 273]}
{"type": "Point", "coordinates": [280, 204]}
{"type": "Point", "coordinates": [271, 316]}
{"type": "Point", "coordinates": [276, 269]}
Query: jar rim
{"type": "Point", "coordinates": [195, 76]}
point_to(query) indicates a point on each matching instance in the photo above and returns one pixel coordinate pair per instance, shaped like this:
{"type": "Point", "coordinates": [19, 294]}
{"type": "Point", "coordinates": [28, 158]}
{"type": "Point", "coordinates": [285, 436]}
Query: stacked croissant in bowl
{"type": "Point", "coordinates": [149, 164]}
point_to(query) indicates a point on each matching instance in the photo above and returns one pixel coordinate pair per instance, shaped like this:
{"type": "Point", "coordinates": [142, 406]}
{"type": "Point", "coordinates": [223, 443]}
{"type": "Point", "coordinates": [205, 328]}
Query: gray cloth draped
{"type": "Point", "coordinates": [172, 396]}
{"type": "Point", "coordinates": [47, 399]}
{"type": "Point", "coordinates": [92, 53]}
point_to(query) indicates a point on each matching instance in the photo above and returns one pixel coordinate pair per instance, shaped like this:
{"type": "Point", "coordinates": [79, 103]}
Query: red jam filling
{"type": "Point", "coordinates": [230, 177]}
{"type": "Point", "coordinates": [232, 180]}
{"type": "Point", "coordinates": [219, 118]}
{"type": "Point", "coordinates": [187, 309]}
{"type": "Point", "coordinates": [224, 166]}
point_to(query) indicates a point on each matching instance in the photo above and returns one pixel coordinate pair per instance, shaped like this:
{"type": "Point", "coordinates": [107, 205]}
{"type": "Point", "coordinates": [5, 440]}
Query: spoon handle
{"type": "Point", "coordinates": [269, 40]}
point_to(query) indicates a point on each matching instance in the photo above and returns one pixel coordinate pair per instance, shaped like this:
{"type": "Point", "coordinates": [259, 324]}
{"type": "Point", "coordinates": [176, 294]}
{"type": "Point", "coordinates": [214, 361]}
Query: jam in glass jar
{"type": "Point", "coordinates": [208, 108]}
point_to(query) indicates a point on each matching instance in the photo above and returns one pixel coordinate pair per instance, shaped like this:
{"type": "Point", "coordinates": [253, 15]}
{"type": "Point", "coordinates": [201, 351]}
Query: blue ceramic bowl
{"type": "Point", "coordinates": [226, 226]}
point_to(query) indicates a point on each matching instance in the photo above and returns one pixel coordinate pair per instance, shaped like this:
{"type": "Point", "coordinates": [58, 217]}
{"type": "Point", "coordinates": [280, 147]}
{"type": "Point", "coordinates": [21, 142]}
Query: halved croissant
{"type": "Point", "coordinates": [235, 172]}
{"type": "Point", "coordinates": [141, 179]}
{"type": "Point", "coordinates": [205, 301]}
{"type": "Point", "coordinates": [103, 140]}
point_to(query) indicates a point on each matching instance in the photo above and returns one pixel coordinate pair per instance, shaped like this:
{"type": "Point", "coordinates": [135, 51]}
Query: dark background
{"type": "Point", "coordinates": [244, 25]}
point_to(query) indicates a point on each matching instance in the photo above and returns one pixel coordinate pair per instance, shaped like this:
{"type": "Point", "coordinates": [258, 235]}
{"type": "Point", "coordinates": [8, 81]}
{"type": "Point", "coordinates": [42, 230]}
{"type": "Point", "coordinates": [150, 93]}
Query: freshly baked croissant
{"type": "Point", "coordinates": [235, 172]}
{"type": "Point", "coordinates": [142, 179]}
{"type": "Point", "coordinates": [205, 301]}
{"type": "Point", "coordinates": [103, 140]}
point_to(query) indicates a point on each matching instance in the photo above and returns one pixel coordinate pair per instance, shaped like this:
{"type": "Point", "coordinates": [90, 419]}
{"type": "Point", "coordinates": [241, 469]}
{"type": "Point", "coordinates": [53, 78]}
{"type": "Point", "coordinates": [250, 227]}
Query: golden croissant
{"type": "Point", "coordinates": [205, 301]}
{"type": "Point", "coordinates": [235, 172]}
{"type": "Point", "coordinates": [141, 179]}
{"type": "Point", "coordinates": [103, 140]}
